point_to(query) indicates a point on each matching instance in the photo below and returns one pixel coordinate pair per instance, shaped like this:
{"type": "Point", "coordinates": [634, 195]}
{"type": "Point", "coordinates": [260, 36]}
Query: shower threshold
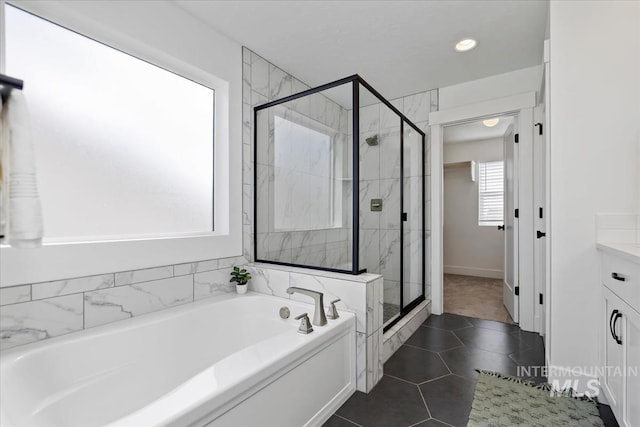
{"type": "Point", "coordinates": [390, 312]}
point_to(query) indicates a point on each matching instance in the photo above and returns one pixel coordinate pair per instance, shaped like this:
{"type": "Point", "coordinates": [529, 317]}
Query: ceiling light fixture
{"type": "Point", "coordinates": [490, 122]}
{"type": "Point", "coordinates": [465, 45]}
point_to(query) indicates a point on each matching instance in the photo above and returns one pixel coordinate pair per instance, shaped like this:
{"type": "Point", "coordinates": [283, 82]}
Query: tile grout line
{"type": "Point", "coordinates": [445, 363]}
{"type": "Point", "coordinates": [54, 296]}
{"type": "Point", "coordinates": [443, 422]}
{"type": "Point", "coordinates": [436, 378]}
{"type": "Point", "coordinates": [431, 351]}
{"type": "Point", "coordinates": [347, 419]}
{"type": "Point", "coordinates": [458, 338]}
{"type": "Point", "coordinates": [399, 379]}
{"type": "Point", "coordinates": [425, 402]}
{"type": "Point", "coordinates": [419, 422]}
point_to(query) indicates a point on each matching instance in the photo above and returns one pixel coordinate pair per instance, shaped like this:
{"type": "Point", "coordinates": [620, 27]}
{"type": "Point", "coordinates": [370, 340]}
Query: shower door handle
{"type": "Point", "coordinates": [404, 216]}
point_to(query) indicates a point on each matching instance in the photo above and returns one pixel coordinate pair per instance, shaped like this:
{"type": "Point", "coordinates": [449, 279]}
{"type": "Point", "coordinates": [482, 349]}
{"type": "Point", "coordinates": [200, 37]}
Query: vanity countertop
{"type": "Point", "coordinates": [627, 251]}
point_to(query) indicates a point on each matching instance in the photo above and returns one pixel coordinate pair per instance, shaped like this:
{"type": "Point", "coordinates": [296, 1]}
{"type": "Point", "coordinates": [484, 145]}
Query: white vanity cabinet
{"type": "Point", "coordinates": [620, 335]}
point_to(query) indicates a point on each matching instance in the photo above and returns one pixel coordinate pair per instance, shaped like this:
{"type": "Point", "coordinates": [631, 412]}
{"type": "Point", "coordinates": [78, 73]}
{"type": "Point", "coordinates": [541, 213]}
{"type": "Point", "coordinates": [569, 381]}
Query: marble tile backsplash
{"type": "Point", "coordinates": [37, 311]}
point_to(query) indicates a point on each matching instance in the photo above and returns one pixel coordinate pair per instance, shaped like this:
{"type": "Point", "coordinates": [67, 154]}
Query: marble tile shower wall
{"type": "Point", "coordinates": [380, 174]}
{"type": "Point", "coordinates": [329, 247]}
{"type": "Point", "coordinates": [37, 311]}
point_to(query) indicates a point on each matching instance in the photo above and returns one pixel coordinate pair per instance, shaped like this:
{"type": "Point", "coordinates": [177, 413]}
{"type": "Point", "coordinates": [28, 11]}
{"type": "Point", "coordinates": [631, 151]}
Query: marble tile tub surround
{"type": "Point", "coordinates": [621, 228]}
{"type": "Point", "coordinates": [361, 295]}
{"type": "Point", "coordinates": [37, 311]}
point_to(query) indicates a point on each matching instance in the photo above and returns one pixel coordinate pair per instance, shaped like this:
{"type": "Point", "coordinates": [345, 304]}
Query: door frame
{"type": "Point", "coordinates": [521, 106]}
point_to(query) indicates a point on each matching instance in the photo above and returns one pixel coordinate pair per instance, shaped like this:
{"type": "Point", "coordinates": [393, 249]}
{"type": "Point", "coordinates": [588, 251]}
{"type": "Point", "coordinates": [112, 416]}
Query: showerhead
{"type": "Point", "coordinates": [372, 140]}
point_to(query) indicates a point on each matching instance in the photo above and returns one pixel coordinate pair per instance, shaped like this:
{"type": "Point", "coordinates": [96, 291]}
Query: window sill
{"type": "Point", "coordinates": [64, 260]}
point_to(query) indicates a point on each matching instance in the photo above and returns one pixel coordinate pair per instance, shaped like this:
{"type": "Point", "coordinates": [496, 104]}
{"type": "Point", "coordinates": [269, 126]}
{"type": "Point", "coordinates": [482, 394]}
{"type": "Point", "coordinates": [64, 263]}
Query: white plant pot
{"type": "Point", "coordinates": [241, 289]}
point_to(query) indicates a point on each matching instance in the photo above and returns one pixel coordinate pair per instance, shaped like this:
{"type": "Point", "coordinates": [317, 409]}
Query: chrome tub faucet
{"type": "Point", "coordinates": [319, 318]}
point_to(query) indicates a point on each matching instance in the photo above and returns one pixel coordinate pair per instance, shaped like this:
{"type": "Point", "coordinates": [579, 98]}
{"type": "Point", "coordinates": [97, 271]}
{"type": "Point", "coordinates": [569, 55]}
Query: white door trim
{"type": "Point", "coordinates": [547, 217]}
{"type": "Point", "coordinates": [516, 104]}
{"type": "Point", "coordinates": [508, 104]}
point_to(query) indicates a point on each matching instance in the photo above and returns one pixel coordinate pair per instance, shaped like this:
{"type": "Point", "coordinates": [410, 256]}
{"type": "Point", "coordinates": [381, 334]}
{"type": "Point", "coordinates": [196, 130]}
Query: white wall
{"type": "Point", "coordinates": [498, 86]}
{"type": "Point", "coordinates": [469, 249]}
{"type": "Point", "coordinates": [484, 150]}
{"type": "Point", "coordinates": [595, 130]}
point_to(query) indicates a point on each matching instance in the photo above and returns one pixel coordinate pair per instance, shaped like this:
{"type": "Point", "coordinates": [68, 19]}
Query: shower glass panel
{"type": "Point", "coordinates": [380, 172]}
{"type": "Point", "coordinates": [413, 214]}
{"type": "Point", "coordinates": [303, 174]}
{"type": "Point", "coordinates": [339, 186]}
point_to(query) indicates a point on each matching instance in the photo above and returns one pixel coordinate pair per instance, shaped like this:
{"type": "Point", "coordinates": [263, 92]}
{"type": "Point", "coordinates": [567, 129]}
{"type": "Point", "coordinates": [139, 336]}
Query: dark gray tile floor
{"type": "Point", "coordinates": [431, 379]}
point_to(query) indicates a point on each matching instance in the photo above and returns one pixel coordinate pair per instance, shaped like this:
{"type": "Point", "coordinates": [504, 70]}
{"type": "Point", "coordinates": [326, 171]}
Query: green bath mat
{"type": "Point", "coordinates": [503, 401]}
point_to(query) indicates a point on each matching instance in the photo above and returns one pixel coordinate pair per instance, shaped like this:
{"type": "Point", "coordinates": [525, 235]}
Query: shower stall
{"type": "Point", "coordinates": [340, 186]}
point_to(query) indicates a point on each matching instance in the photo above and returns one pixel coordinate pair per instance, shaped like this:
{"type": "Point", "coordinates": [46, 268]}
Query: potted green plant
{"type": "Point", "coordinates": [241, 277]}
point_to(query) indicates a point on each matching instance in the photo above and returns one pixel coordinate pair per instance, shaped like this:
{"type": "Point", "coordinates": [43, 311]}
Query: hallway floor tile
{"type": "Point", "coordinates": [478, 297]}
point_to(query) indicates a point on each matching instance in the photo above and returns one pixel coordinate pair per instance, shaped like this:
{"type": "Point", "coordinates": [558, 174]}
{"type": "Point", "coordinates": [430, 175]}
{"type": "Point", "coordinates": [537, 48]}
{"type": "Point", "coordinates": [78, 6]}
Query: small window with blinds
{"type": "Point", "coordinates": [491, 193]}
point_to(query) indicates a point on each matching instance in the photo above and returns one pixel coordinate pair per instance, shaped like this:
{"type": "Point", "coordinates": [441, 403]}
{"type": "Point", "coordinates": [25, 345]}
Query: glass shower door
{"type": "Point", "coordinates": [413, 219]}
{"type": "Point", "coordinates": [380, 208]}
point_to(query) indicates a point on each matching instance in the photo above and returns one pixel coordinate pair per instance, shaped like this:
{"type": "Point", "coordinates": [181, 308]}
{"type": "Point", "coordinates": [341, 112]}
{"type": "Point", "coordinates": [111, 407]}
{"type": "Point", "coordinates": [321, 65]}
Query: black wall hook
{"type": "Point", "coordinates": [7, 84]}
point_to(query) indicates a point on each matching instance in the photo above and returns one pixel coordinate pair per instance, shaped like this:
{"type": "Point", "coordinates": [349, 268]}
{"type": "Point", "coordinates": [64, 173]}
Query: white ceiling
{"type": "Point", "coordinates": [475, 131]}
{"type": "Point", "coordinates": [400, 47]}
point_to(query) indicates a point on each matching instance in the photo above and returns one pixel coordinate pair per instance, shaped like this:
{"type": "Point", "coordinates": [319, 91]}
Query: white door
{"type": "Point", "coordinates": [509, 297]}
{"type": "Point", "coordinates": [540, 244]}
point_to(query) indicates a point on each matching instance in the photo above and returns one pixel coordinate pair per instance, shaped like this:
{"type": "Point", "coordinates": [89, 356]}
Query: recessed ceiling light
{"type": "Point", "coordinates": [490, 122]}
{"type": "Point", "coordinates": [465, 45]}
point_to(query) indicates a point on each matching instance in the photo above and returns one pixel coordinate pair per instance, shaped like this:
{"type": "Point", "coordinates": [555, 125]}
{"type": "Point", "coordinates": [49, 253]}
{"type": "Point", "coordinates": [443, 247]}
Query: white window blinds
{"type": "Point", "coordinates": [491, 193]}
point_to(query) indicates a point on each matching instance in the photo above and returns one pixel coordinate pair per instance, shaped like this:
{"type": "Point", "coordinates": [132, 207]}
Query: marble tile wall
{"type": "Point", "coordinates": [308, 192]}
{"type": "Point", "coordinates": [361, 295]}
{"type": "Point", "coordinates": [399, 333]}
{"type": "Point", "coordinates": [37, 311]}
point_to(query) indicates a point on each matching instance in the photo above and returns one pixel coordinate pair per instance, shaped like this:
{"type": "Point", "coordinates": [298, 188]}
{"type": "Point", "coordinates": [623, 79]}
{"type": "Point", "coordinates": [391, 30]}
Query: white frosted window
{"type": "Point", "coordinates": [123, 147]}
{"type": "Point", "coordinates": [303, 178]}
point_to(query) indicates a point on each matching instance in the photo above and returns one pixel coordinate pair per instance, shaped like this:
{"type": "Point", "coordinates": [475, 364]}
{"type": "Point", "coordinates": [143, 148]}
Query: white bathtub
{"type": "Point", "coordinates": [226, 361]}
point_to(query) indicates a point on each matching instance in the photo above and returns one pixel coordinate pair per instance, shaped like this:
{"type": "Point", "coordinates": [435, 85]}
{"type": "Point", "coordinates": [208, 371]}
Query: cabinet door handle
{"type": "Point", "coordinates": [619, 277]}
{"type": "Point", "coordinates": [613, 334]}
{"type": "Point", "coordinates": [615, 320]}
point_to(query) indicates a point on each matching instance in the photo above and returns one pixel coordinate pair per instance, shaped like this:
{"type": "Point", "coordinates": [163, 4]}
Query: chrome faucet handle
{"type": "Point", "coordinates": [305, 325]}
{"type": "Point", "coordinates": [332, 313]}
{"type": "Point", "coordinates": [319, 319]}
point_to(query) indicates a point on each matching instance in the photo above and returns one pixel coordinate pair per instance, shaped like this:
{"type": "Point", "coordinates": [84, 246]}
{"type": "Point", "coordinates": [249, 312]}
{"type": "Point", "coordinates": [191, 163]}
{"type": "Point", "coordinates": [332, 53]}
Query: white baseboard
{"type": "Point", "coordinates": [474, 271]}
